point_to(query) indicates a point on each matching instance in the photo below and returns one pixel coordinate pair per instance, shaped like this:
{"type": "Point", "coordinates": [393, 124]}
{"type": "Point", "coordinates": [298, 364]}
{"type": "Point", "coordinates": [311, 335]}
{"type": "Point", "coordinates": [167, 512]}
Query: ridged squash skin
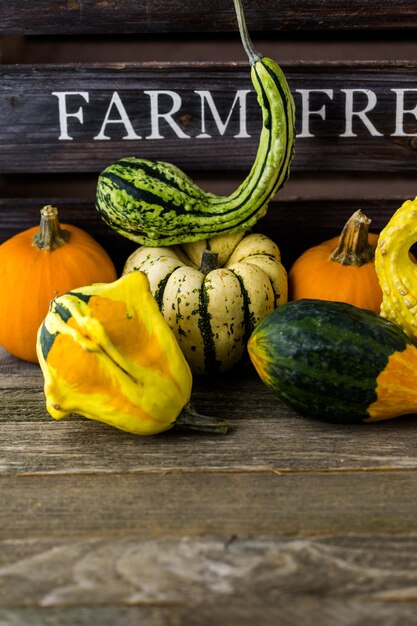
{"type": "Point", "coordinates": [336, 362]}
{"type": "Point", "coordinates": [107, 354]}
{"type": "Point", "coordinates": [397, 269]}
{"type": "Point", "coordinates": [213, 314]}
{"type": "Point", "coordinates": [156, 204]}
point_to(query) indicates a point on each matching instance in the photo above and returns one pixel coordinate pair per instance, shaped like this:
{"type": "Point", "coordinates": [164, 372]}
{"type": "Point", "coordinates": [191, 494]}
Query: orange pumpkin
{"type": "Point", "coordinates": [37, 265]}
{"type": "Point", "coordinates": [340, 269]}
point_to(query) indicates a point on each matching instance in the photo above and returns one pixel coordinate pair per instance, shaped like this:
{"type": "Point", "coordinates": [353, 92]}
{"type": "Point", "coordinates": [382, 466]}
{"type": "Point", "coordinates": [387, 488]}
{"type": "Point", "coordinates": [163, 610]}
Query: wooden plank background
{"type": "Point", "coordinates": [94, 16]}
{"type": "Point", "coordinates": [295, 224]}
{"type": "Point", "coordinates": [30, 130]}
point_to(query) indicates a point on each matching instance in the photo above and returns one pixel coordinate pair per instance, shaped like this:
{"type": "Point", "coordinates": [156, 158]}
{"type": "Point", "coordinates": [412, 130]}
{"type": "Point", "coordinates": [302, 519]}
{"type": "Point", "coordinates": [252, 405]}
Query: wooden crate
{"type": "Point", "coordinates": [356, 123]}
{"type": "Point", "coordinates": [284, 520]}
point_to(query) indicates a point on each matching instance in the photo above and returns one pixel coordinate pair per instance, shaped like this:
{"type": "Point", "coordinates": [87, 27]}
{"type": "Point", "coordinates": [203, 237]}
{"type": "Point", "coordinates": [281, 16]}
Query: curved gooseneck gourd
{"type": "Point", "coordinates": [156, 204]}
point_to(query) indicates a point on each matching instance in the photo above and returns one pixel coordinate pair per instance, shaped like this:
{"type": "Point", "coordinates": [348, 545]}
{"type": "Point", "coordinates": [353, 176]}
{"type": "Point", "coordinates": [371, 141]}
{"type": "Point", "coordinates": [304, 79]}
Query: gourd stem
{"type": "Point", "coordinates": [353, 247]}
{"type": "Point", "coordinates": [244, 34]}
{"type": "Point", "coordinates": [50, 234]}
{"type": "Point", "coordinates": [191, 420]}
{"type": "Point", "coordinates": [209, 261]}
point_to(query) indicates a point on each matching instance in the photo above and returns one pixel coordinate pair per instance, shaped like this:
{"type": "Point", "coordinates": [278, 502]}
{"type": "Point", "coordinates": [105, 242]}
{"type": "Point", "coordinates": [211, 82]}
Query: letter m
{"type": "Point", "coordinates": [240, 99]}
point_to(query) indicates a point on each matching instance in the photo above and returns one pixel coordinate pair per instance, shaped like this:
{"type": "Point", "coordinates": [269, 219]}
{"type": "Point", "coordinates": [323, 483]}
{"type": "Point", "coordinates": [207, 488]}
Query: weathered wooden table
{"type": "Point", "coordinates": [284, 520]}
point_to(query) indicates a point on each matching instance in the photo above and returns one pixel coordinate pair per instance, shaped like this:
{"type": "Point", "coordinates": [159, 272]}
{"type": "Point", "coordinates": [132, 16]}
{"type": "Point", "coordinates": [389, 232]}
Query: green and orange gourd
{"type": "Point", "coordinates": [335, 361]}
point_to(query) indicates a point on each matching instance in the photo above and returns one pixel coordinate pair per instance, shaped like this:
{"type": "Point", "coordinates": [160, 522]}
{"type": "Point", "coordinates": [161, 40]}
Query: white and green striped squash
{"type": "Point", "coordinates": [213, 293]}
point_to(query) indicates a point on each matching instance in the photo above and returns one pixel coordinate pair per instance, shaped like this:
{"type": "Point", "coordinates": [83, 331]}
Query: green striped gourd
{"type": "Point", "coordinates": [336, 362]}
{"type": "Point", "coordinates": [212, 293]}
{"type": "Point", "coordinates": [156, 204]}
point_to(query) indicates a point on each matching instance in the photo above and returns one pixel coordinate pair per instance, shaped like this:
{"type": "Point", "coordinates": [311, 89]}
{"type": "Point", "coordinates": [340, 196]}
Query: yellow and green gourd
{"type": "Point", "coordinates": [107, 354]}
{"type": "Point", "coordinates": [156, 204]}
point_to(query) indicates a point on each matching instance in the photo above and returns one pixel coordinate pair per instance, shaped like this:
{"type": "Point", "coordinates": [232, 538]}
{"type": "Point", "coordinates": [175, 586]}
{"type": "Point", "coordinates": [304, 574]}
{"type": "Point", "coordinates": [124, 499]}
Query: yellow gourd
{"type": "Point", "coordinates": [107, 353]}
{"type": "Point", "coordinates": [397, 270]}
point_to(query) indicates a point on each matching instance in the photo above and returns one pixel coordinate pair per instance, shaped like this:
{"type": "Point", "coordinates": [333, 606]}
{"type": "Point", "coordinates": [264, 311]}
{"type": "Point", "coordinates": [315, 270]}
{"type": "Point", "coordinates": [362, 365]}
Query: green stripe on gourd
{"type": "Point", "coordinates": [61, 313]}
{"type": "Point", "coordinates": [213, 292]}
{"type": "Point", "coordinates": [212, 364]}
{"type": "Point", "coordinates": [156, 204]}
{"type": "Point", "coordinates": [46, 340]}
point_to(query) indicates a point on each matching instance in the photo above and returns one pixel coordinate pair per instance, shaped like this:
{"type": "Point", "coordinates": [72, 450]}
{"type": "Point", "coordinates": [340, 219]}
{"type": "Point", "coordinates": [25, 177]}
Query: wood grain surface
{"type": "Point", "coordinates": [33, 137]}
{"type": "Point", "coordinates": [254, 413]}
{"type": "Point", "coordinates": [95, 16]}
{"type": "Point", "coordinates": [284, 518]}
{"type": "Point", "coordinates": [222, 580]}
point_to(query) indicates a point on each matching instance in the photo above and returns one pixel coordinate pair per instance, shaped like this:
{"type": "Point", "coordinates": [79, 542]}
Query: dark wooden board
{"type": "Point", "coordinates": [294, 223]}
{"type": "Point", "coordinates": [33, 140]}
{"type": "Point", "coordinates": [127, 16]}
{"type": "Point", "coordinates": [174, 504]}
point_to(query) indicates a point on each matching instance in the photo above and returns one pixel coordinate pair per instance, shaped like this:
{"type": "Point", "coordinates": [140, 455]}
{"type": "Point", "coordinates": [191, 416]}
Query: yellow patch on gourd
{"type": "Point", "coordinates": [115, 359]}
{"type": "Point", "coordinates": [130, 335]}
{"type": "Point", "coordinates": [92, 379]}
{"type": "Point", "coordinates": [258, 358]}
{"type": "Point", "coordinates": [395, 395]}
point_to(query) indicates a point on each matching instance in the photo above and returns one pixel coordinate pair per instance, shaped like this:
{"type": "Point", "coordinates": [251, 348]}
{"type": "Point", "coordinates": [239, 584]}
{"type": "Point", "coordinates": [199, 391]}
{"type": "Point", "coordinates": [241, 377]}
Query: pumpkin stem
{"type": "Point", "coordinates": [191, 420]}
{"type": "Point", "coordinates": [353, 247]}
{"type": "Point", "coordinates": [209, 261]}
{"type": "Point", "coordinates": [50, 234]}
